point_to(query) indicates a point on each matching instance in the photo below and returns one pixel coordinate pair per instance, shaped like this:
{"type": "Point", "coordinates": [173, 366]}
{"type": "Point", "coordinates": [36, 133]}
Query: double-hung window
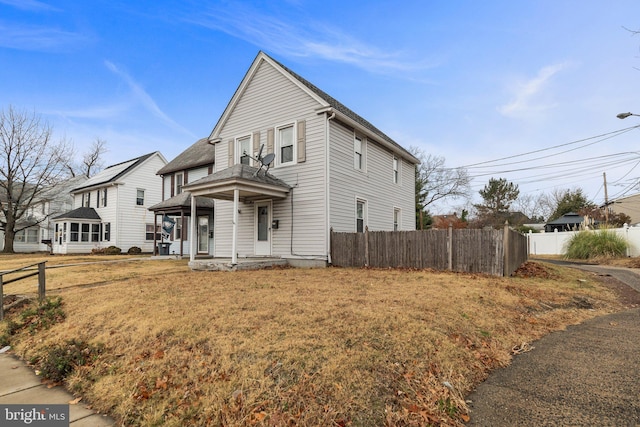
{"type": "Point", "coordinates": [285, 144]}
{"type": "Point", "coordinates": [179, 182]}
{"type": "Point", "coordinates": [149, 232]}
{"type": "Point", "coordinates": [243, 147]}
{"type": "Point", "coordinates": [396, 170]}
{"type": "Point", "coordinates": [139, 197]}
{"type": "Point", "coordinates": [106, 227]}
{"type": "Point", "coordinates": [84, 236]}
{"type": "Point", "coordinates": [361, 215]}
{"type": "Point", "coordinates": [358, 153]}
{"type": "Point", "coordinates": [95, 232]}
{"type": "Point", "coordinates": [104, 198]}
{"type": "Point", "coordinates": [75, 231]}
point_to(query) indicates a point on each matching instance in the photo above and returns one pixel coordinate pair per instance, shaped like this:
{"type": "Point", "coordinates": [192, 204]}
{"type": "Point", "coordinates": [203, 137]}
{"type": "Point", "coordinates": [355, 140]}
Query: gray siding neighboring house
{"type": "Point", "coordinates": [331, 169]}
{"type": "Point", "coordinates": [194, 163]}
{"type": "Point", "coordinates": [111, 209]}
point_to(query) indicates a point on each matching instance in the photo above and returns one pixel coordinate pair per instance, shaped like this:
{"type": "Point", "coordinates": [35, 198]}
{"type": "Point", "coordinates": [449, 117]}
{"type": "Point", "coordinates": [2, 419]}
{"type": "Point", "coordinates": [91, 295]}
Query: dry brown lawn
{"type": "Point", "coordinates": [321, 347]}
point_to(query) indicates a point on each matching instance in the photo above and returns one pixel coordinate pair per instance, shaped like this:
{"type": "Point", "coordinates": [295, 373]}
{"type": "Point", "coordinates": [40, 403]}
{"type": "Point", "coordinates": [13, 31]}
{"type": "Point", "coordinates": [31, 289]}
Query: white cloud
{"type": "Point", "coordinates": [311, 40]}
{"type": "Point", "coordinates": [33, 5]}
{"type": "Point", "coordinates": [527, 97]}
{"type": "Point", "coordinates": [34, 38]}
{"type": "Point", "coordinates": [142, 97]}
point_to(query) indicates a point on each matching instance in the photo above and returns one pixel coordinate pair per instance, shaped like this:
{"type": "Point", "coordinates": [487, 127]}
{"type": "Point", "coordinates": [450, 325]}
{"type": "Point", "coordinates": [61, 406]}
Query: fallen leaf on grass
{"type": "Point", "coordinates": [465, 418]}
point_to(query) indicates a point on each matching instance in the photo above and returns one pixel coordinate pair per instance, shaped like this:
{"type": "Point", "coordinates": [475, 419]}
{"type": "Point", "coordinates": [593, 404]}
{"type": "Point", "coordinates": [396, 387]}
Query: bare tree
{"type": "Point", "coordinates": [91, 160]}
{"type": "Point", "coordinates": [538, 207]}
{"type": "Point", "coordinates": [435, 182]}
{"type": "Point", "coordinates": [29, 163]}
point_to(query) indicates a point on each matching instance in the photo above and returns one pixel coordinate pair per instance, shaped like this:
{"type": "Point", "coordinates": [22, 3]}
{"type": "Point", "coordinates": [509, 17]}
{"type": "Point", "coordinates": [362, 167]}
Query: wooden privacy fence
{"type": "Point", "coordinates": [495, 252]}
{"type": "Point", "coordinates": [40, 272]}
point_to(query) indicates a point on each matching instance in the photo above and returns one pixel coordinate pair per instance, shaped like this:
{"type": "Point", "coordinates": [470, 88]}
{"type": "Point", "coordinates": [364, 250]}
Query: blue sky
{"type": "Point", "coordinates": [470, 81]}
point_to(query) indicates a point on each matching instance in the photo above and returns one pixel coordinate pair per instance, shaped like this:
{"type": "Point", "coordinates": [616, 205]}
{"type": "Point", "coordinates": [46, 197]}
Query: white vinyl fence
{"type": "Point", "coordinates": [553, 243]}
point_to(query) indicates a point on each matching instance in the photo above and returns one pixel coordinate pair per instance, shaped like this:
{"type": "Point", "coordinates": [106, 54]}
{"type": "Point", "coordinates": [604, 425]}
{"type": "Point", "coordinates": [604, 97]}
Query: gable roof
{"type": "Point", "coordinates": [111, 173]}
{"type": "Point", "coordinates": [199, 154]}
{"type": "Point", "coordinates": [330, 104]}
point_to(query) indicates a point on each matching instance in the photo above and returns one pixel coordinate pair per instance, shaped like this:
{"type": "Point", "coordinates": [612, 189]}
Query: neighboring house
{"type": "Point", "coordinates": [111, 209]}
{"type": "Point", "coordinates": [442, 222]}
{"type": "Point", "coordinates": [568, 222]}
{"type": "Point", "coordinates": [192, 164]}
{"type": "Point", "coordinates": [51, 202]}
{"type": "Point", "coordinates": [629, 205]}
{"type": "Point", "coordinates": [331, 169]}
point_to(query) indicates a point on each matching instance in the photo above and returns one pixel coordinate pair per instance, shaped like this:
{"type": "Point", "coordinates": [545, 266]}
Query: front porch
{"type": "Point", "coordinates": [226, 264]}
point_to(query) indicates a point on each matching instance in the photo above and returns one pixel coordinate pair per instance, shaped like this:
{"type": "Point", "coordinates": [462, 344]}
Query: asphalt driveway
{"type": "Point", "coordinates": [587, 375]}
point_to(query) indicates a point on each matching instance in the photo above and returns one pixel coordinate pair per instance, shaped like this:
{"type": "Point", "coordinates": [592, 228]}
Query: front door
{"type": "Point", "coordinates": [203, 235]}
{"type": "Point", "coordinates": [263, 228]}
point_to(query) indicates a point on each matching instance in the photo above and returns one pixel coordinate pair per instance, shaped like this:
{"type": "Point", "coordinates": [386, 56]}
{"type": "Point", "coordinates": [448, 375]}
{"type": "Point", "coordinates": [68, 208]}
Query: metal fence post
{"type": "Point", "coordinates": [41, 281]}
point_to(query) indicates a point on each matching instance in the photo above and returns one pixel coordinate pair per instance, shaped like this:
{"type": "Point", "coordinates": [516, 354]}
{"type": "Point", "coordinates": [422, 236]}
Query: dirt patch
{"type": "Point", "coordinates": [628, 296]}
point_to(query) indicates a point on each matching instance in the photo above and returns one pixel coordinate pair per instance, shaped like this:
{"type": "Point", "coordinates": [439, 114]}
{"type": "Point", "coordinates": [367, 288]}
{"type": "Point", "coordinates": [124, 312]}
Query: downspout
{"type": "Point", "coordinates": [327, 198]}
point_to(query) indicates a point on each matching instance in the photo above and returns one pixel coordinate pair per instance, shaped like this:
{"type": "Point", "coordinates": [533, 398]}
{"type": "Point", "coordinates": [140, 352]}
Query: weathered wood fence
{"type": "Point", "coordinates": [495, 252]}
{"type": "Point", "coordinates": [40, 272]}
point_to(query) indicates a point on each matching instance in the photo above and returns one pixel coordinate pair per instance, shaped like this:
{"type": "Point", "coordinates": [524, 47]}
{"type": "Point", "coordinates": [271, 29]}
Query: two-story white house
{"type": "Point", "coordinates": [330, 169]}
{"type": "Point", "coordinates": [111, 209]}
{"type": "Point", "coordinates": [36, 226]}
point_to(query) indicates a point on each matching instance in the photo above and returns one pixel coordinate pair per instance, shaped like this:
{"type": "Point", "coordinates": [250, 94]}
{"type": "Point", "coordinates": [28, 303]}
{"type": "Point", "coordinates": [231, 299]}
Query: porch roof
{"type": "Point", "coordinates": [252, 184]}
{"type": "Point", "coordinates": [181, 203]}
{"type": "Point", "coordinates": [80, 213]}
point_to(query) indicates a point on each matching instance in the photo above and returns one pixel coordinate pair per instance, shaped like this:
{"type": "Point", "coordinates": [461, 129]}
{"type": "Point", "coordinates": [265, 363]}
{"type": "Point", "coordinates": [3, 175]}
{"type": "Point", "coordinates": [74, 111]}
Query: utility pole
{"type": "Point", "coordinates": [606, 199]}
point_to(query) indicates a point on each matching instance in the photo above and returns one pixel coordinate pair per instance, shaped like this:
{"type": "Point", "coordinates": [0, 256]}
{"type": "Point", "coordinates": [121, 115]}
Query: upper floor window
{"type": "Point", "coordinates": [358, 152]}
{"type": "Point", "coordinates": [285, 144]}
{"type": "Point", "coordinates": [243, 150]}
{"type": "Point", "coordinates": [86, 199]}
{"type": "Point", "coordinates": [139, 197]}
{"type": "Point", "coordinates": [179, 182]}
{"type": "Point", "coordinates": [396, 170]}
{"type": "Point", "coordinates": [104, 198]}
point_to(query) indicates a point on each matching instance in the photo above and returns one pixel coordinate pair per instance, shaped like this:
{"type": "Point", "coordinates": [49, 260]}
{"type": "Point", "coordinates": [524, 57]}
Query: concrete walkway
{"type": "Point", "coordinates": [20, 385]}
{"type": "Point", "coordinates": [586, 375]}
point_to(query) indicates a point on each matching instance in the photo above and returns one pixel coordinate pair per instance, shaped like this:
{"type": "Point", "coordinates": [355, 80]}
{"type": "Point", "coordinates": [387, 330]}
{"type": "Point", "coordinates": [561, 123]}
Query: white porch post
{"type": "Point", "coordinates": [234, 239]}
{"type": "Point", "coordinates": [192, 230]}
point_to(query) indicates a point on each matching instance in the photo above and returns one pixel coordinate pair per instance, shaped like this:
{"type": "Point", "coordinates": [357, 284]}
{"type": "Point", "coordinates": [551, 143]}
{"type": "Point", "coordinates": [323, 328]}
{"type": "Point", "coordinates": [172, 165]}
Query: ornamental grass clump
{"type": "Point", "coordinates": [596, 244]}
